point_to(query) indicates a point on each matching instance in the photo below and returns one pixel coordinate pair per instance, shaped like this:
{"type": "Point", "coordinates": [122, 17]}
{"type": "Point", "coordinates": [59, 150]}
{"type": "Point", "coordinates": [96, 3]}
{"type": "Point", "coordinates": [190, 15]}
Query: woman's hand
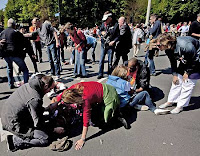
{"type": "Point", "coordinates": [175, 80]}
{"type": "Point", "coordinates": [79, 144]}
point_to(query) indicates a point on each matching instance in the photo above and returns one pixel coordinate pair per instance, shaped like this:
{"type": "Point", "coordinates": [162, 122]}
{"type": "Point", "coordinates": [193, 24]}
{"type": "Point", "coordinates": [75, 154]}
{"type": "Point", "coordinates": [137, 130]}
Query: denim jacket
{"type": "Point", "coordinates": [188, 48]}
{"type": "Point", "coordinates": [119, 84]}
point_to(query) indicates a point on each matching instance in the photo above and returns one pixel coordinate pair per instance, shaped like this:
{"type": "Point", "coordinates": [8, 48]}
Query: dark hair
{"type": "Point", "coordinates": [154, 15]}
{"type": "Point", "coordinates": [47, 80]}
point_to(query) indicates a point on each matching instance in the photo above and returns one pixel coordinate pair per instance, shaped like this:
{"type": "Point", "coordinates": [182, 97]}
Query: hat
{"type": "Point", "coordinates": [106, 16]}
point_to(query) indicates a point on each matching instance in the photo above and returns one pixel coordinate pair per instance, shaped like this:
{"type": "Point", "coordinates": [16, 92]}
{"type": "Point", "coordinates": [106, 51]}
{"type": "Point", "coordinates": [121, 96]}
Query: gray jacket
{"type": "Point", "coordinates": [23, 109]}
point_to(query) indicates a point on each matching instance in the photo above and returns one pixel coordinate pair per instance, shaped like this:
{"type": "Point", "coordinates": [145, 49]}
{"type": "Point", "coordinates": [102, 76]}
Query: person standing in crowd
{"type": "Point", "coordinates": [124, 42]}
{"type": "Point", "coordinates": [109, 34]}
{"type": "Point", "coordinates": [184, 29]}
{"type": "Point", "coordinates": [195, 28]}
{"type": "Point", "coordinates": [154, 32]}
{"type": "Point", "coordinates": [61, 38]}
{"type": "Point", "coordinates": [49, 36]}
{"type": "Point", "coordinates": [36, 44]}
{"type": "Point", "coordinates": [28, 49]}
{"type": "Point", "coordinates": [13, 52]}
{"type": "Point", "coordinates": [22, 114]}
{"type": "Point", "coordinates": [91, 43]}
{"type": "Point", "coordinates": [137, 39]}
{"type": "Point", "coordinates": [80, 41]}
{"type": "Point", "coordinates": [184, 49]}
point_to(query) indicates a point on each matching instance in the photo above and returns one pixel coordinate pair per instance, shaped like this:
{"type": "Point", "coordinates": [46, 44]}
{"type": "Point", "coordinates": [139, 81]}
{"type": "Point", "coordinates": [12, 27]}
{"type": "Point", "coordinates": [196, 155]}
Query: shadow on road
{"type": "Point", "coordinates": [156, 94]}
{"type": "Point", "coordinates": [194, 104]}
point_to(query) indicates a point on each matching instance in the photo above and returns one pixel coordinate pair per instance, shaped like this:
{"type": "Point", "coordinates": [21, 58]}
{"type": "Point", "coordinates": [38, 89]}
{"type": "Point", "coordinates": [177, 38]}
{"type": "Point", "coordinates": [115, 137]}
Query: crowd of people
{"type": "Point", "coordinates": [98, 104]}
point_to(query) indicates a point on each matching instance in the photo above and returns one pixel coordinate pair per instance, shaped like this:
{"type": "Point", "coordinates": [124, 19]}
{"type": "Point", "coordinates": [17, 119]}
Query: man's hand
{"type": "Point", "coordinates": [57, 45]}
{"type": "Point", "coordinates": [111, 43]}
{"type": "Point", "coordinates": [185, 77]}
{"type": "Point", "coordinates": [103, 33]}
{"type": "Point", "coordinates": [175, 80]}
{"type": "Point", "coordinates": [77, 46]}
{"type": "Point", "coordinates": [2, 42]}
{"type": "Point", "coordinates": [59, 130]}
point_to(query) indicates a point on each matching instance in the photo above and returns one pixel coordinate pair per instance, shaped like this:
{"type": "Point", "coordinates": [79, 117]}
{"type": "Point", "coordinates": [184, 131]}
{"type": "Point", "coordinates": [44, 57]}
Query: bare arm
{"type": "Point", "coordinates": [79, 144]}
{"type": "Point", "coordinates": [56, 37]}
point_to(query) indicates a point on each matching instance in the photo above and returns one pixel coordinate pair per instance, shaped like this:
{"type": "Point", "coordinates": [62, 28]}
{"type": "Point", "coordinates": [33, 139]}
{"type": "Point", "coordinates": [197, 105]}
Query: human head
{"type": "Point", "coordinates": [69, 28]}
{"type": "Point", "coordinates": [47, 82]}
{"type": "Point", "coordinates": [36, 22]}
{"type": "Point", "coordinates": [73, 96]}
{"type": "Point", "coordinates": [107, 17]}
{"type": "Point", "coordinates": [185, 23]}
{"type": "Point", "coordinates": [121, 21]}
{"type": "Point", "coordinates": [153, 18]}
{"type": "Point", "coordinates": [198, 17]}
{"type": "Point", "coordinates": [120, 71]}
{"type": "Point", "coordinates": [132, 64]}
{"type": "Point", "coordinates": [22, 30]}
{"type": "Point", "coordinates": [165, 41]}
{"type": "Point", "coordinates": [11, 23]}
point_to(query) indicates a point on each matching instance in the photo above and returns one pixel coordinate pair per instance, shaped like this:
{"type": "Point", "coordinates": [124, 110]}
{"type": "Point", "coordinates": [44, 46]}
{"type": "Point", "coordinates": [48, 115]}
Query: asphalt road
{"type": "Point", "coordinates": [149, 135]}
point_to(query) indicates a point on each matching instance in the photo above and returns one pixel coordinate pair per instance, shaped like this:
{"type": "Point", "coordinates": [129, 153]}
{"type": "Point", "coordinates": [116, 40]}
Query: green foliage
{"type": "Point", "coordinates": [89, 12]}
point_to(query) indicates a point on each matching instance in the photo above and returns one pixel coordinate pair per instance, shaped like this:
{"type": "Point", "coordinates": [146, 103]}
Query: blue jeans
{"type": "Point", "coordinates": [73, 56]}
{"type": "Point", "coordinates": [53, 60]}
{"type": "Point", "coordinates": [80, 63]}
{"type": "Point", "coordinates": [149, 61]}
{"type": "Point", "coordinates": [93, 46]}
{"type": "Point", "coordinates": [143, 98]}
{"type": "Point", "coordinates": [58, 57]}
{"type": "Point", "coordinates": [22, 66]}
{"type": "Point", "coordinates": [109, 51]}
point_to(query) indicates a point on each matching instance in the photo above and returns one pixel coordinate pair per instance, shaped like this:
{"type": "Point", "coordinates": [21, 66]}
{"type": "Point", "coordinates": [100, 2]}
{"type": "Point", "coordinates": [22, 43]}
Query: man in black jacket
{"type": "Point", "coordinates": [142, 79]}
{"type": "Point", "coordinates": [109, 33]}
{"type": "Point", "coordinates": [13, 51]}
{"type": "Point", "coordinates": [22, 114]}
{"type": "Point", "coordinates": [124, 42]}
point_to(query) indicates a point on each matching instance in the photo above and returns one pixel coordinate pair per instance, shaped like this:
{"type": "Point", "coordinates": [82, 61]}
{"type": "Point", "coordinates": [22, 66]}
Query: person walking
{"type": "Point", "coordinates": [13, 52]}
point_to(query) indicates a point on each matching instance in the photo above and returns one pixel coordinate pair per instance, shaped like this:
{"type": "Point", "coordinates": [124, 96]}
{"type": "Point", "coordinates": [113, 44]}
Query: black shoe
{"type": "Point", "coordinates": [10, 144]}
{"type": "Point", "coordinates": [99, 76]}
{"type": "Point", "coordinates": [123, 122]}
{"type": "Point", "coordinates": [12, 87]}
{"type": "Point", "coordinates": [83, 76]}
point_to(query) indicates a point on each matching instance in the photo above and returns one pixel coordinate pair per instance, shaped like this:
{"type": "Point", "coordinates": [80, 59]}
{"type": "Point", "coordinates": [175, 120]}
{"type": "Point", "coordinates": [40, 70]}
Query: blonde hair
{"type": "Point", "coordinates": [73, 95]}
{"type": "Point", "coordinates": [166, 40]}
{"type": "Point", "coordinates": [120, 71]}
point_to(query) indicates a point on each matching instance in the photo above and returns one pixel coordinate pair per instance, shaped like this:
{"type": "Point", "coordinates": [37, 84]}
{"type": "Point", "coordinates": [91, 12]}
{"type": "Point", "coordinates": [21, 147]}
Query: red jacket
{"type": "Point", "coordinates": [92, 94]}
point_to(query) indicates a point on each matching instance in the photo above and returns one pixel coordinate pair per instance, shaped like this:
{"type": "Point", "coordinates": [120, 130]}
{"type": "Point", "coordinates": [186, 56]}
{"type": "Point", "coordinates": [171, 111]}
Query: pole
{"type": "Point", "coordinates": [59, 11]}
{"type": "Point", "coordinates": [148, 12]}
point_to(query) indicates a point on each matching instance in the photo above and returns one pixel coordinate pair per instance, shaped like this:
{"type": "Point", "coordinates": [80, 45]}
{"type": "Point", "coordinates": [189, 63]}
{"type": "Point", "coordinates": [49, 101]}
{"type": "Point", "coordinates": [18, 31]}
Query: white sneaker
{"type": "Point", "coordinates": [165, 105]}
{"type": "Point", "coordinates": [176, 110]}
{"type": "Point", "coordinates": [161, 111]}
{"type": "Point", "coordinates": [141, 107]}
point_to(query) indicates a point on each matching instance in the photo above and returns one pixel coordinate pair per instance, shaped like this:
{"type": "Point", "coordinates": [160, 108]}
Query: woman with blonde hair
{"type": "Point", "coordinates": [186, 50]}
{"type": "Point", "coordinates": [89, 94]}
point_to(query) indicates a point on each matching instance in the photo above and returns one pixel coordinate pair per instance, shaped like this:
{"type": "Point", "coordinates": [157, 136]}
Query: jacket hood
{"type": "Point", "coordinates": [36, 84]}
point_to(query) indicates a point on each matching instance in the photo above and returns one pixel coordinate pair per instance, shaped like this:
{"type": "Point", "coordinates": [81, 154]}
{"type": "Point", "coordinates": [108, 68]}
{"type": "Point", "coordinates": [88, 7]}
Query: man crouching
{"type": "Point", "coordinates": [22, 114]}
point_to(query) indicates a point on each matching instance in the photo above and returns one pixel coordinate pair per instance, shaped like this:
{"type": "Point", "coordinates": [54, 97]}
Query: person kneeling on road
{"type": "Point", "coordinates": [22, 114]}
